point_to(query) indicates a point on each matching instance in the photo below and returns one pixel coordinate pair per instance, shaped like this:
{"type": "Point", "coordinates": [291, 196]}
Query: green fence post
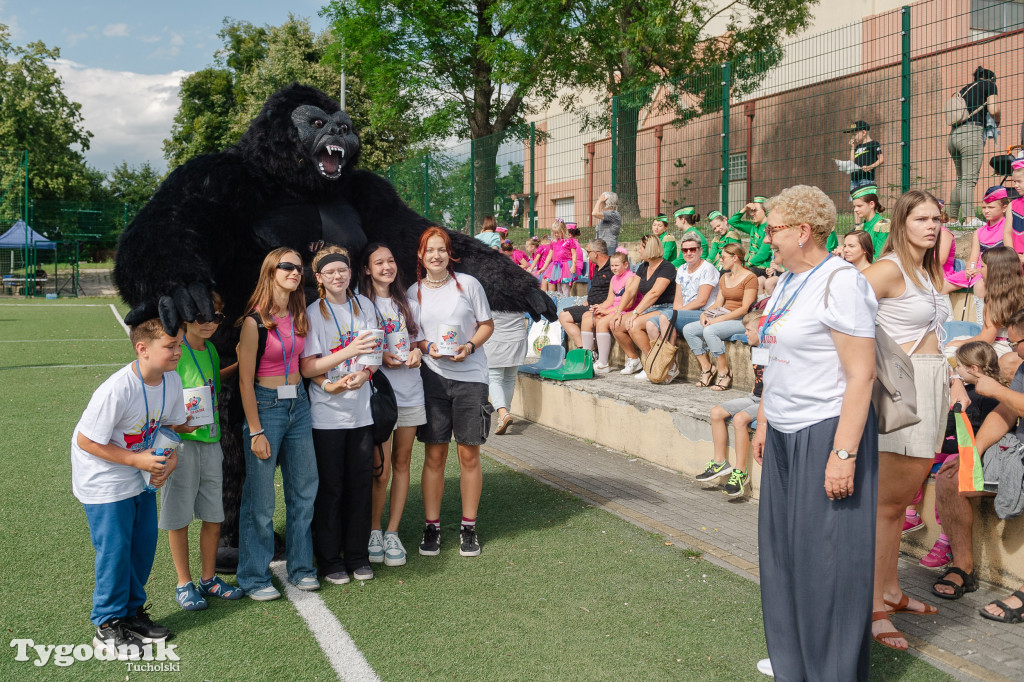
{"type": "Point", "coordinates": [533, 153]}
{"type": "Point", "coordinates": [905, 102]}
{"type": "Point", "coordinates": [472, 186]}
{"type": "Point", "coordinates": [615, 143]}
{"type": "Point", "coordinates": [24, 216]}
{"type": "Point", "coordinates": [726, 87]}
{"type": "Point", "coordinates": [391, 174]}
{"type": "Point", "coordinates": [426, 186]}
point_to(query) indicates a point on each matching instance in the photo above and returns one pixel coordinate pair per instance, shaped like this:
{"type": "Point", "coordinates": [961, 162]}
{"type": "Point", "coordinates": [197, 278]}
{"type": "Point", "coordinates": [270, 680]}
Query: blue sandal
{"type": "Point", "coordinates": [215, 587]}
{"type": "Point", "coordinates": [188, 597]}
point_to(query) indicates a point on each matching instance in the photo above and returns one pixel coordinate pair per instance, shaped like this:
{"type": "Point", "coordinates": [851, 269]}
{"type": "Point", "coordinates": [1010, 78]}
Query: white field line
{"type": "Point", "coordinates": [330, 634]}
{"type": "Point", "coordinates": [105, 364]}
{"type": "Point", "coordinates": [117, 316]}
{"type": "Point", "coordinates": [119, 340]}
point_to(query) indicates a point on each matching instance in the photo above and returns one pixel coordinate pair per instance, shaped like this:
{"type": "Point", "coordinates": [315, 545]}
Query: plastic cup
{"type": "Point", "coordinates": [376, 356]}
{"type": "Point", "coordinates": [398, 345]}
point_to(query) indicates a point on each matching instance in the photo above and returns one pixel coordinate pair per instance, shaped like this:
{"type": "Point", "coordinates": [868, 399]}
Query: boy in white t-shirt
{"type": "Point", "coordinates": [110, 449]}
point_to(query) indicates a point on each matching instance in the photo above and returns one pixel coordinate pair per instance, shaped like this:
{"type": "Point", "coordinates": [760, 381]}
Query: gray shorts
{"type": "Point", "coordinates": [193, 490]}
{"type": "Point", "coordinates": [454, 408]}
{"type": "Point", "coordinates": [925, 438]}
{"type": "Point", "coordinates": [748, 404]}
{"type": "Point", "coordinates": [413, 415]}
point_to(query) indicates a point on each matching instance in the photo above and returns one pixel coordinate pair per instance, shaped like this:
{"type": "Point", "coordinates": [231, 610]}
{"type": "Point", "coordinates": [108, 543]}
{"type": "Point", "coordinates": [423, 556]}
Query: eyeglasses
{"type": "Point", "coordinates": [288, 266]}
{"type": "Point", "coordinates": [692, 250]}
{"type": "Point", "coordinates": [771, 231]}
{"type": "Point", "coordinates": [1014, 344]}
{"type": "Point", "coordinates": [216, 319]}
{"type": "Point", "coordinates": [339, 272]}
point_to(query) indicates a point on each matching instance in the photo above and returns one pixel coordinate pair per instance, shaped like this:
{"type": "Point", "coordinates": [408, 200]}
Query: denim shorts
{"type": "Point", "coordinates": [665, 308]}
{"type": "Point", "coordinates": [454, 407]}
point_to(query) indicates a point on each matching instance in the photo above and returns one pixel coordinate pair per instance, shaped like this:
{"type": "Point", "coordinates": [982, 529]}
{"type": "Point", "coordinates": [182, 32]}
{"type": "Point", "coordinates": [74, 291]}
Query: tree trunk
{"type": "Point", "coordinates": [485, 171]}
{"type": "Point", "coordinates": [628, 124]}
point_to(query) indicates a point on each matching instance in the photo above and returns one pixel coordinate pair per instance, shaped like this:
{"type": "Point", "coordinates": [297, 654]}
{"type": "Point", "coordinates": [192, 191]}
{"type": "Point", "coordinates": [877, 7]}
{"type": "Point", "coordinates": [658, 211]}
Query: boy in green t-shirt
{"type": "Point", "coordinates": [195, 488]}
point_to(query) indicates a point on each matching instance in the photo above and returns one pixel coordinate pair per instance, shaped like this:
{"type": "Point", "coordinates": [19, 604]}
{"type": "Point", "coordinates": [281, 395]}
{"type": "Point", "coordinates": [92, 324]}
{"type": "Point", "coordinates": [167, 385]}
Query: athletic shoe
{"type": "Point", "coordinates": [376, 547]}
{"type": "Point", "coordinates": [673, 372]}
{"type": "Point", "coordinates": [601, 368]}
{"type": "Point", "coordinates": [764, 666]}
{"type": "Point", "coordinates": [339, 578]}
{"type": "Point", "coordinates": [973, 223]}
{"type": "Point", "coordinates": [143, 627]}
{"type": "Point", "coordinates": [394, 551]}
{"type": "Point", "coordinates": [189, 598]}
{"type": "Point", "coordinates": [503, 424]}
{"type": "Point", "coordinates": [115, 640]}
{"type": "Point", "coordinates": [737, 484]}
{"type": "Point", "coordinates": [940, 555]}
{"type": "Point", "coordinates": [910, 526]}
{"type": "Point", "coordinates": [363, 573]}
{"type": "Point", "coordinates": [308, 584]}
{"type": "Point", "coordinates": [641, 375]}
{"type": "Point", "coordinates": [431, 543]}
{"type": "Point", "coordinates": [633, 365]}
{"type": "Point", "coordinates": [713, 470]}
{"type": "Point", "coordinates": [268, 593]}
{"type": "Point", "coordinates": [215, 587]}
{"type": "Point", "coordinates": [470, 545]}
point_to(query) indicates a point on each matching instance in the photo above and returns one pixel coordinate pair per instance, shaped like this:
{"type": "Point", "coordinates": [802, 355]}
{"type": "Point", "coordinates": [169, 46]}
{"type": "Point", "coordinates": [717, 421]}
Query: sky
{"type": "Point", "coordinates": [123, 61]}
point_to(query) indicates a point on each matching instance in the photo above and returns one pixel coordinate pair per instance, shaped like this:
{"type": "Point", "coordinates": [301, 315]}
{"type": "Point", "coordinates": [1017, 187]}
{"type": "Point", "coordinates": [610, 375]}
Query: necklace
{"type": "Point", "coordinates": [437, 283]}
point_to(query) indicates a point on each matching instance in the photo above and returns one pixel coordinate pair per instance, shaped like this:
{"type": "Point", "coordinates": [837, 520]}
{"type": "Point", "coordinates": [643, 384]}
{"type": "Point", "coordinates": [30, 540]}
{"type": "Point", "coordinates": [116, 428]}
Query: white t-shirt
{"type": "Point", "coordinates": [804, 380]}
{"type": "Point", "coordinates": [347, 409]}
{"type": "Point", "coordinates": [449, 306]}
{"type": "Point", "coordinates": [407, 384]}
{"type": "Point", "coordinates": [117, 414]}
{"type": "Point", "coordinates": [690, 284]}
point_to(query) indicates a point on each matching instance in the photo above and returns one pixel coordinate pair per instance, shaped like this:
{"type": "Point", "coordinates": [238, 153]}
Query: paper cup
{"type": "Point", "coordinates": [376, 356]}
{"type": "Point", "coordinates": [398, 345]}
{"type": "Point", "coordinates": [448, 339]}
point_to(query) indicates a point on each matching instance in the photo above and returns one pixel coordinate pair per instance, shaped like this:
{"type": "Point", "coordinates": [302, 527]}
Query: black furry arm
{"type": "Point", "coordinates": [386, 218]}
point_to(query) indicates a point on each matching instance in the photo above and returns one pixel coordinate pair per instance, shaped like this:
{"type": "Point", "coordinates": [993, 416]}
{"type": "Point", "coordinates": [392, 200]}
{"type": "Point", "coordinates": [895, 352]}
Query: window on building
{"type": "Point", "coordinates": [996, 16]}
{"type": "Point", "coordinates": [738, 166]}
{"type": "Point", "coordinates": [566, 209]}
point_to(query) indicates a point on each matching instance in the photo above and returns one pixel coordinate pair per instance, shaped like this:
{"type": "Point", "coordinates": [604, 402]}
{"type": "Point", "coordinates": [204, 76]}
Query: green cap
{"type": "Point", "coordinates": [685, 210]}
{"type": "Point", "coordinates": [863, 191]}
{"type": "Point", "coordinates": [663, 218]}
{"type": "Point", "coordinates": [715, 214]}
{"type": "Point", "coordinates": [760, 199]}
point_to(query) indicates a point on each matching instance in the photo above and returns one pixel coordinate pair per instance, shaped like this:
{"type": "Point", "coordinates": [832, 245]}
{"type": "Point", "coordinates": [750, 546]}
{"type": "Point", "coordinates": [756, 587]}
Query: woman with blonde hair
{"type": "Point", "coordinates": [907, 282]}
{"type": "Point", "coordinates": [656, 287]}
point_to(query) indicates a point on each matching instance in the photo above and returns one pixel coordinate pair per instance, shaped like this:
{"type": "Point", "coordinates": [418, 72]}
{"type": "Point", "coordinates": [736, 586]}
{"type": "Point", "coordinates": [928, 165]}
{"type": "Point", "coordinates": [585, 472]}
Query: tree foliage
{"type": "Point", "coordinates": [36, 115]}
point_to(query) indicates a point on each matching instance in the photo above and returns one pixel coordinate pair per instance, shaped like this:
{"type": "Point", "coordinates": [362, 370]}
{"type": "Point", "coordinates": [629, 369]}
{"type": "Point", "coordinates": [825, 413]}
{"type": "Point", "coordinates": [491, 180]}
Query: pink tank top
{"type": "Point", "coordinates": [991, 236]}
{"type": "Point", "coordinates": [618, 287]}
{"type": "Point", "coordinates": [272, 362]}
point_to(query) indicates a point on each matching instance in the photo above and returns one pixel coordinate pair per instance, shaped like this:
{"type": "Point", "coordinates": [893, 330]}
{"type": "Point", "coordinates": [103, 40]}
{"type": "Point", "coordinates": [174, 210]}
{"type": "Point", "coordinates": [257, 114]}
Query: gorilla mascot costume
{"type": "Point", "coordinates": [290, 181]}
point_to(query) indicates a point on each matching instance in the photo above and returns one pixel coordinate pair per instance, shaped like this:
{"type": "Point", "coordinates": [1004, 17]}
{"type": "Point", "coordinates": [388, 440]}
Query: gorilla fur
{"type": "Point", "coordinates": [211, 222]}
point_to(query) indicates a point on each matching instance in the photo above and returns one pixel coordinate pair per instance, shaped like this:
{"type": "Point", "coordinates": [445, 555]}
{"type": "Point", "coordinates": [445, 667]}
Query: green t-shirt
{"type": "Point", "coordinates": [760, 254]}
{"type": "Point", "coordinates": [209, 363]}
{"type": "Point", "coordinates": [716, 246]}
{"type": "Point", "coordinates": [878, 228]}
{"type": "Point", "coordinates": [668, 245]}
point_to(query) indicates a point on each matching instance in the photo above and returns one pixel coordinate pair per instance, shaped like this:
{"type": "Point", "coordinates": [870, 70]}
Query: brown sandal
{"type": "Point", "coordinates": [903, 606]}
{"type": "Point", "coordinates": [723, 383]}
{"type": "Point", "coordinates": [888, 634]}
{"type": "Point", "coordinates": [706, 377]}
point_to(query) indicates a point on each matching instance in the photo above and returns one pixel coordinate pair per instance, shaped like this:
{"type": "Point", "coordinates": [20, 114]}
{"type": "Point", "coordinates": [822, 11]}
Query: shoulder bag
{"type": "Point", "coordinates": [662, 354]}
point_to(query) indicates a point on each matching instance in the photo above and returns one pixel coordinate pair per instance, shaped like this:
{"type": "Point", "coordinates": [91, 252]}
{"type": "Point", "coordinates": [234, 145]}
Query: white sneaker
{"type": "Point", "coordinates": [633, 365]}
{"type": "Point", "coordinates": [673, 372]}
{"type": "Point", "coordinates": [376, 547]}
{"type": "Point", "coordinates": [601, 368]}
{"type": "Point", "coordinates": [973, 223]}
{"type": "Point", "coordinates": [764, 666]}
{"type": "Point", "coordinates": [641, 375]}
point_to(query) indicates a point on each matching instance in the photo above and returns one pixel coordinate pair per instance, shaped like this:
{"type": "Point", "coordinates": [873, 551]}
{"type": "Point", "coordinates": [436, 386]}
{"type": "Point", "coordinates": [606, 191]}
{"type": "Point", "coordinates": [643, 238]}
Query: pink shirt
{"type": "Point", "coordinates": [272, 362]}
{"type": "Point", "coordinates": [618, 287]}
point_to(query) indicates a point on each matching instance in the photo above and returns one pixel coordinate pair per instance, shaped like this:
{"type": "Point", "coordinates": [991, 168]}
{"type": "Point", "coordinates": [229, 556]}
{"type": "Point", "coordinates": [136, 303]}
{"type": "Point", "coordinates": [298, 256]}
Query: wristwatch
{"type": "Point", "coordinates": [844, 454]}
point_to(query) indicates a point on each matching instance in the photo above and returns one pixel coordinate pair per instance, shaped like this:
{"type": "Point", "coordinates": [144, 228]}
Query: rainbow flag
{"type": "Point", "coordinates": [971, 478]}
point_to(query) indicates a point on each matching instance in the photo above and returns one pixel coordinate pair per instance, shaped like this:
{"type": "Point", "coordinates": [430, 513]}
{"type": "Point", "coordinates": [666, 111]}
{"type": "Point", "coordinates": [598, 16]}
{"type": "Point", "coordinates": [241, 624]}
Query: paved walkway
{"type": "Point", "coordinates": [958, 640]}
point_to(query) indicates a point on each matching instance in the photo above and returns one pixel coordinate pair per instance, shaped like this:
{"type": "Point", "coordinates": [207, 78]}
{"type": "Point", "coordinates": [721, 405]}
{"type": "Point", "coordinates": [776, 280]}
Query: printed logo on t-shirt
{"type": "Point", "coordinates": [135, 440]}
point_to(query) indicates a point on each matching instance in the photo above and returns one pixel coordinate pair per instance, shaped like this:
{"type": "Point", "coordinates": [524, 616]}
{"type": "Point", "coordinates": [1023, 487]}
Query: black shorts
{"type": "Point", "coordinates": [577, 311]}
{"type": "Point", "coordinates": [758, 272]}
{"type": "Point", "coordinates": [454, 407]}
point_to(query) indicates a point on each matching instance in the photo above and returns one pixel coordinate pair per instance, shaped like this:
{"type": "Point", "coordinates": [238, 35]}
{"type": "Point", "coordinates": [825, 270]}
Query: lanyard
{"type": "Point", "coordinates": [287, 358]}
{"type": "Point", "coordinates": [209, 382]}
{"type": "Point", "coordinates": [774, 316]}
{"type": "Point", "coordinates": [147, 438]}
{"type": "Point", "coordinates": [351, 324]}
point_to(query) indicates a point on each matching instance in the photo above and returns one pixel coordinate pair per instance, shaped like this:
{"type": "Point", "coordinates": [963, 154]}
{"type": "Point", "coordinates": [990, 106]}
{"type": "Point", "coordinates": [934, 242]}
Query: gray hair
{"type": "Point", "coordinates": [689, 237]}
{"type": "Point", "coordinates": [611, 200]}
{"type": "Point", "coordinates": [598, 245]}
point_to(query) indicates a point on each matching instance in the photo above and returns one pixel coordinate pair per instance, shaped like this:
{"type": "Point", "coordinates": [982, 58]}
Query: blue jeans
{"type": "Point", "coordinates": [710, 339]}
{"type": "Point", "coordinates": [290, 434]}
{"type": "Point", "coordinates": [502, 384]}
{"type": "Point", "coordinates": [124, 536]}
{"type": "Point", "coordinates": [683, 318]}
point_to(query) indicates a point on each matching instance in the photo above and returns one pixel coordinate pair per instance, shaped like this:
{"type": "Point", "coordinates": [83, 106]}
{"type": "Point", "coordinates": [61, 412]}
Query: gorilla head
{"type": "Point", "coordinates": [302, 140]}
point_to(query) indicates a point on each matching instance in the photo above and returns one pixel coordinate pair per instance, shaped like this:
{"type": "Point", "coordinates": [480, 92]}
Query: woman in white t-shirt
{"type": "Point", "coordinates": [696, 289]}
{"type": "Point", "coordinates": [382, 284]}
{"type": "Point", "coordinates": [816, 441]}
{"type": "Point", "coordinates": [339, 405]}
{"type": "Point", "coordinates": [455, 320]}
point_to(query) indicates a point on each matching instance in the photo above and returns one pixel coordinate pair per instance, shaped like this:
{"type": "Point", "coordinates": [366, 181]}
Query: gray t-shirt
{"type": "Point", "coordinates": [608, 230]}
{"type": "Point", "coordinates": [1018, 385]}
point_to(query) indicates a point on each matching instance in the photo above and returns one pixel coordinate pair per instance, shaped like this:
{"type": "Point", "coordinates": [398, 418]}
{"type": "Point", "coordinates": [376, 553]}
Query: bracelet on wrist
{"type": "Point", "coordinates": [470, 343]}
{"type": "Point", "coordinates": [257, 433]}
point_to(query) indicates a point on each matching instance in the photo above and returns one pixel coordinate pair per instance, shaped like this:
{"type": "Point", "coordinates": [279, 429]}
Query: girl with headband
{"type": "Point", "coordinates": [988, 236]}
{"type": "Point", "coordinates": [1013, 228]}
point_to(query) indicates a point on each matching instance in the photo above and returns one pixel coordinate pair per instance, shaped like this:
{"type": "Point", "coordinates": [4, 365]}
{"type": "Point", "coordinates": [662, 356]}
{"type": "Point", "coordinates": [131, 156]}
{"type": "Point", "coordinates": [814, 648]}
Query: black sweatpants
{"type": "Point", "coordinates": [341, 513]}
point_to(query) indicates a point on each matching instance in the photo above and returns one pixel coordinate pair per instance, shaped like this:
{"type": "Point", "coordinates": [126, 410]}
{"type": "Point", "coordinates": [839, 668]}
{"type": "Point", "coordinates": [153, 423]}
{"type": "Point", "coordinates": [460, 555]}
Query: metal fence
{"type": "Point", "coordinates": [717, 139]}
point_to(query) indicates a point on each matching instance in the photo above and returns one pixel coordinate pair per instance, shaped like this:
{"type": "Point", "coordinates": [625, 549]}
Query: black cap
{"type": "Point", "coordinates": [857, 126]}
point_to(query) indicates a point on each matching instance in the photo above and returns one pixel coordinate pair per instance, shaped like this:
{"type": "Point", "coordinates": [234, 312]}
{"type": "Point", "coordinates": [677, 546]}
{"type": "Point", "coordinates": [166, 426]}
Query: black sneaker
{"type": "Point", "coordinates": [470, 545]}
{"type": "Point", "coordinates": [431, 544]}
{"type": "Point", "coordinates": [116, 641]}
{"type": "Point", "coordinates": [143, 627]}
{"type": "Point", "coordinates": [714, 470]}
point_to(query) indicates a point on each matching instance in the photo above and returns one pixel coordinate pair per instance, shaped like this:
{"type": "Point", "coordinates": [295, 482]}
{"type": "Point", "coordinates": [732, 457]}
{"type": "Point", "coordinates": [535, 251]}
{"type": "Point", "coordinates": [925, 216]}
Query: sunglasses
{"type": "Point", "coordinates": [1014, 344]}
{"type": "Point", "coordinates": [693, 250]}
{"type": "Point", "coordinates": [216, 319]}
{"type": "Point", "coordinates": [288, 267]}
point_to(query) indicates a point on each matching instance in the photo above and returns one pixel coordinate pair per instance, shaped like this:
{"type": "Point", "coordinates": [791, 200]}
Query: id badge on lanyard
{"type": "Point", "coordinates": [287, 391]}
{"type": "Point", "coordinates": [214, 427]}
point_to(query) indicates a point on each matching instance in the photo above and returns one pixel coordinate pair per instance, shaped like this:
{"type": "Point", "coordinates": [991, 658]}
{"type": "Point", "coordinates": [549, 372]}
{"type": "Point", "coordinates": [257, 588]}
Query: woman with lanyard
{"type": "Point", "coordinates": [339, 398]}
{"type": "Point", "coordinates": [455, 319]}
{"type": "Point", "coordinates": [382, 284]}
{"type": "Point", "coordinates": [907, 280]}
{"type": "Point", "coordinates": [815, 440]}
{"type": "Point", "coordinates": [276, 428]}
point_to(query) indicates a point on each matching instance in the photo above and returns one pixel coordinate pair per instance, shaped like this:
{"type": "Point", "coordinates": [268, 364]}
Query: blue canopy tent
{"type": "Point", "coordinates": [21, 234]}
{"type": "Point", "coordinates": [16, 240]}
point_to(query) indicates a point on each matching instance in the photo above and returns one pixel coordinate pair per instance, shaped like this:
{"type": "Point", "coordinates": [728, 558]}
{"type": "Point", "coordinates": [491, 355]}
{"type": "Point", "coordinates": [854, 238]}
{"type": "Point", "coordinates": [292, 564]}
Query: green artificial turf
{"type": "Point", "coordinates": [562, 590]}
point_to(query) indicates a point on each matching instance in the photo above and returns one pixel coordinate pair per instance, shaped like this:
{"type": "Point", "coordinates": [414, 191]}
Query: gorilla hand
{"type": "Point", "coordinates": [183, 305]}
{"type": "Point", "coordinates": [539, 304]}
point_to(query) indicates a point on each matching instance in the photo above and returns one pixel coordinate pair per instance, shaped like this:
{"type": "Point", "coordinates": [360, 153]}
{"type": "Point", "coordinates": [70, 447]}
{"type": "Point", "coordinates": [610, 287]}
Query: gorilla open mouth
{"type": "Point", "coordinates": [330, 161]}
